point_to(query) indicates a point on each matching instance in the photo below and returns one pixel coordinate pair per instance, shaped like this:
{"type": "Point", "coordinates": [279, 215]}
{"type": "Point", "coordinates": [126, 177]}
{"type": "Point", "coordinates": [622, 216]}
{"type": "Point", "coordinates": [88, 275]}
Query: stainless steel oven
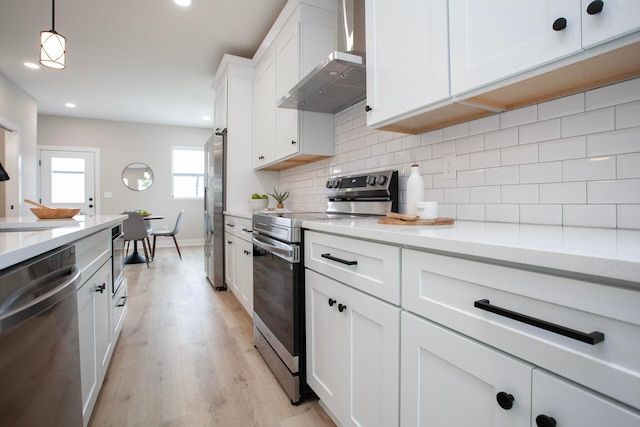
{"type": "Point", "coordinates": [278, 270]}
{"type": "Point", "coordinates": [117, 258]}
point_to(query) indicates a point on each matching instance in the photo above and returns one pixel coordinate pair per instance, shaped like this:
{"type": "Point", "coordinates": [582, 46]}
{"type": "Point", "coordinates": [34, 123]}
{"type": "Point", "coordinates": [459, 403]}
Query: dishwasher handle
{"type": "Point", "coordinates": [44, 301]}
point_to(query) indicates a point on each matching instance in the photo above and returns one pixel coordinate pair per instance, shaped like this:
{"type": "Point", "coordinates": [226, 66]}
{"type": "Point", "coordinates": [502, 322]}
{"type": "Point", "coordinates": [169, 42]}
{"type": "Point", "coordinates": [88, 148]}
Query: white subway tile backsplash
{"type": "Point", "coordinates": [572, 161]}
{"type": "Point", "coordinates": [484, 125]}
{"type": "Point", "coordinates": [521, 116]}
{"type": "Point", "coordinates": [502, 213]}
{"type": "Point", "coordinates": [563, 193]}
{"type": "Point", "coordinates": [456, 131]}
{"type": "Point", "coordinates": [562, 149]}
{"type": "Point", "coordinates": [470, 144]}
{"type": "Point", "coordinates": [541, 172]}
{"type": "Point", "coordinates": [616, 142]}
{"type": "Point", "coordinates": [502, 175]}
{"type": "Point", "coordinates": [589, 122]}
{"type": "Point", "coordinates": [628, 115]}
{"type": "Point", "coordinates": [541, 214]}
{"type": "Point", "coordinates": [484, 159]}
{"type": "Point", "coordinates": [613, 94]}
{"type": "Point", "coordinates": [589, 215]}
{"type": "Point", "coordinates": [561, 107]}
{"type": "Point", "coordinates": [628, 216]}
{"type": "Point", "coordinates": [589, 169]}
{"type": "Point", "coordinates": [470, 212]}
{"type": "Point", "coordinates": [541, 131]}
{"type": "Point", "coordinates": [501, 138]}
{"type": "Point", "coordinates": [628, 166]}
{"type": "Point", "coordinates": [519, 194]}
{"type": "Point", "coordinates": [519, 155]}
{"type": "Point", "coordinates": [484, 195]}
{"type": "Point", "coordinates": [621, 191]}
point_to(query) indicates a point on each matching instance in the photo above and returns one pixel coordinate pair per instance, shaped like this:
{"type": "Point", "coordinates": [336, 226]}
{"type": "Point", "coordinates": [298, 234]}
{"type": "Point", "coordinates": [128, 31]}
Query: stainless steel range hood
{"type": "Point", "coordinates": [340, 80]}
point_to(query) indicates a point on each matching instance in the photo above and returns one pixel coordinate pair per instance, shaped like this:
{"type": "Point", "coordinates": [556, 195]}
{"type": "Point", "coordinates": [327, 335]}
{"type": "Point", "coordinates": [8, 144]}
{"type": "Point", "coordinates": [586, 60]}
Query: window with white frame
{"type": "Point", "coordinates": [187, 172]}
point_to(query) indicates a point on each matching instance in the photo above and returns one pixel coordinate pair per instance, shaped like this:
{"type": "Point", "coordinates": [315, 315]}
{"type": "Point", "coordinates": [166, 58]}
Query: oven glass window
{"type": "Point", "coordinates": [276, 296]}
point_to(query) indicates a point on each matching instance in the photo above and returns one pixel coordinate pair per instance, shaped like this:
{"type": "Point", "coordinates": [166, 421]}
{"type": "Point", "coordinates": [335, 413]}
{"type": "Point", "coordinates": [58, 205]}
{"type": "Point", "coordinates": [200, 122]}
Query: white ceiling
{"type": "Point", "coordinates": [146, 61]}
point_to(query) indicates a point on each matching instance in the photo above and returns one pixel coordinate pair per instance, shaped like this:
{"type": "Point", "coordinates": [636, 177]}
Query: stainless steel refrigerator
{"type": "Point", "coordinates": [214, 205]}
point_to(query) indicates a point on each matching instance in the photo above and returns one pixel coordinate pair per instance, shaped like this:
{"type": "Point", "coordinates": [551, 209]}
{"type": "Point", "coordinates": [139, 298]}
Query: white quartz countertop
{"type": "Point", "coordinates": [608, 253]}
{"type": "Point", "coordinates": [41, 235]}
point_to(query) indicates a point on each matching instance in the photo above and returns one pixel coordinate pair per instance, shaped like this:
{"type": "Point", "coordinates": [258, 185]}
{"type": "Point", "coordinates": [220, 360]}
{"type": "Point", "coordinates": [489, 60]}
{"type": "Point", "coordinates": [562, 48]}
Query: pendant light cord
{"type": "Point", "coordinates": [53, 15]}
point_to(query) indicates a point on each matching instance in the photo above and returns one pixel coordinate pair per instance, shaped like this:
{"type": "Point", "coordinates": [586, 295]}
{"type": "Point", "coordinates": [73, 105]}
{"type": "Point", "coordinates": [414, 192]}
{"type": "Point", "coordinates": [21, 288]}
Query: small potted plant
{"type": "Point", "coordinates": [279, 197]}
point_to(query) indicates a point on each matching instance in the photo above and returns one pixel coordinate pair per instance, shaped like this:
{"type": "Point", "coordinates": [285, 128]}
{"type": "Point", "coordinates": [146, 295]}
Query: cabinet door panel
{"type": "Point", "coordinates": [616, 19]}
{"type": "Point", "coordinates": [374, 366]}
{"type": "Point", "coordinates": [448, 379]}
{"type": "Point", "coordinates": [324, 349]}
{"type": "Point", "coordinates": [572, 405]}
{"type": "Point", "coordinates": [87, 337]}
{"type": "Point", "coordinates": [405, 73]}
{"type": "Point", "coordinates": [495, 39]}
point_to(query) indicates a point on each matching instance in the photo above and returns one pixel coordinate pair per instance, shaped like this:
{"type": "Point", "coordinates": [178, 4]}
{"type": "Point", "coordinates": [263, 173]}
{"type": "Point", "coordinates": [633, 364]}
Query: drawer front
{"type": "Point", "coordinates": [120, 307]}
{"type": "Point", "coordinates": [231, 225]}
{"type": "Point", "coordinates": [373, 268]}
{"type": "Point", "coordinates": [446, 289]}
{"type": "Point", "coordinates": [92, 252]}
{"type": "Point", "coordinates": [244, 229]}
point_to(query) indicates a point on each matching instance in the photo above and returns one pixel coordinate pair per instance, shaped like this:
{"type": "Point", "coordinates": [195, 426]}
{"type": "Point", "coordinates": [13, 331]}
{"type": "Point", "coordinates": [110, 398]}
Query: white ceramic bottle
{"type": "Point", "coordinates": [415, 189]}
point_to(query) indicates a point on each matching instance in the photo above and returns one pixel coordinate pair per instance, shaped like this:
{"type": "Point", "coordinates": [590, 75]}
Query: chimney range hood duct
{"type": "Point", "coordinates": [340, 80]}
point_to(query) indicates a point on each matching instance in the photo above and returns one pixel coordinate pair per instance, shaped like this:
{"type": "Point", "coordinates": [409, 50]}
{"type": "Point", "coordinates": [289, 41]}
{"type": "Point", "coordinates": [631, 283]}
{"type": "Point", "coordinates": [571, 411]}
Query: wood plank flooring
{"type": "Point", "coordinates": [186, 357]}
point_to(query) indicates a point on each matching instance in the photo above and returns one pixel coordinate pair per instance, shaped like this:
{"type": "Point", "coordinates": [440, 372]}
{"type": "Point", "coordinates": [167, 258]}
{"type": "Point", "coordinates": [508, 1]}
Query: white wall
{"type": "Point", "coordinates": [570, 161]}
{"type": "Point", "coordinates": [18, 111]}
{"type": "Point", "coordinates": [121, 143]}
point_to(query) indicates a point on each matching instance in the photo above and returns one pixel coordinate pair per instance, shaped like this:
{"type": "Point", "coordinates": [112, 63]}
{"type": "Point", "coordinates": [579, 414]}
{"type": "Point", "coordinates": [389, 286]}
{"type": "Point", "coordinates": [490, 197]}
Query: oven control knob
{"type": "Point", "coordinates": [330, 183]}
{"type": "Point", "coordinates": [371, 180]}
{"type": "Point", "coordinates": [382, 179]}
{"type": "Point", "coordinates": [336, 183]}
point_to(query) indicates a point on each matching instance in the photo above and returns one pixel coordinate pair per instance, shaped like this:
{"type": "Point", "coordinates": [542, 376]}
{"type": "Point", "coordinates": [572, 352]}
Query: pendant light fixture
{"type": "Point", "coordinates": [52, 45]}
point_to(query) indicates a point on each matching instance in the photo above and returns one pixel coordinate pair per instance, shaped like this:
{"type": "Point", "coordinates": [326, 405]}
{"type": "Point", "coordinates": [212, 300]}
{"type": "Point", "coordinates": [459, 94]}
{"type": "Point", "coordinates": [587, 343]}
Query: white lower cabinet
{"type": "Point", "coordinates": [353, 355]}
{"type": "Point", "coordinates": [451, 380]}
{"type": "Point", "coordinates": [94, 300]}
{"type": "Point", "coordinates": [238, 260]}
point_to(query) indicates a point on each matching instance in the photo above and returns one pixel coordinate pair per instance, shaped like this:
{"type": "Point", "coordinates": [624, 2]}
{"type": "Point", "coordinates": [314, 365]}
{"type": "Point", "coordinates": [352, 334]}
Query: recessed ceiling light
{"type": "Point", "coordinates": [70, 105]}
{"type": "Point", "coordinates": [31, 65]}
{"type": "Point", "coordinates": [184, 3]}
{"type": "Point", "coordinates": [206, 118]}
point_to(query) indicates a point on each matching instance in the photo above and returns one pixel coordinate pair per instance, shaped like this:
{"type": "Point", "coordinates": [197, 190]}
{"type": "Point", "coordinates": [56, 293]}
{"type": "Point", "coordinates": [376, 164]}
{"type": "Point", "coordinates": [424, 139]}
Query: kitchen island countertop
{"type": "Point", "coordinates": [606, 253]}
{"type": "Point", "coordinates": [17, 246]}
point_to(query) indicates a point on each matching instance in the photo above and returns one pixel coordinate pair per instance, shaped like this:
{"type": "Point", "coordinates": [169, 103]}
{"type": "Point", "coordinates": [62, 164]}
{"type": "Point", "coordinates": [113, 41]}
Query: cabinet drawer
{"type": "Point", "coordinates": [445, 289]}
{"type": "Point", "coordinates": [92, 252]}
{"type": "Point", "coordinates": [571, 405]}
{"type": "Point", "coordinates": [240, 227]}
{"type": "Point", "coordinates": [371, 267]}
{"type": "Point", "coordinates": [119, 303]}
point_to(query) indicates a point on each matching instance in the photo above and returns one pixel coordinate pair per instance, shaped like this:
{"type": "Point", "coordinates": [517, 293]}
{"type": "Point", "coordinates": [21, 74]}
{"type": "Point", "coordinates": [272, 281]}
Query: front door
{"type": "Point", "coordinates": [68, 179]}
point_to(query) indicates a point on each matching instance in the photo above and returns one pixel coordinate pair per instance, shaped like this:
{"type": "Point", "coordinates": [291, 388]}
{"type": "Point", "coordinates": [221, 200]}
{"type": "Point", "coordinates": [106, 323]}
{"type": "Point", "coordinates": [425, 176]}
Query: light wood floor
{"type": "Point", "coordinates": [186, 357]}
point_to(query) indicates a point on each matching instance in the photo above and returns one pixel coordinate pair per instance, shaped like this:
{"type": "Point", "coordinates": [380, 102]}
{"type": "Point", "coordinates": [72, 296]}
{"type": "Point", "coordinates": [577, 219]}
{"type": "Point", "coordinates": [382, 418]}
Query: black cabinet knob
{"type": "Point", "coordinates": [505, 400]}
{"type": "Point", "coordinates": [559, 24]}
{"type": "Point", "coordinates": [545, 421]}
{"type": "Point", "coordinates": [341, 308]}
{"type": "Point", "coordinates": [595, 7]}
{"type": "Point", "coordinates": [260, 157]}
{"type": "Point", "coordinates": [367, 108]}
{"type": "Point", "coordinates": [90, 206]}
{"type": "Point", "coordinates": [293, 143]}
{"type": "Point", "coordinates": [331, 302]}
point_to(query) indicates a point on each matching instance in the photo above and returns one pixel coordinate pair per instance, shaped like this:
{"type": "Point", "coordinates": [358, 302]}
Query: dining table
{"type": "Point", "coordinates": [136, 257]}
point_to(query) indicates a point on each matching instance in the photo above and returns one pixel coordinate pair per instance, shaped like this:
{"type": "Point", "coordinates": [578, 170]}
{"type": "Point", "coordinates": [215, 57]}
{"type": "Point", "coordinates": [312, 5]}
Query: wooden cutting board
{"type": "Point", "coordinates": [437, 221]}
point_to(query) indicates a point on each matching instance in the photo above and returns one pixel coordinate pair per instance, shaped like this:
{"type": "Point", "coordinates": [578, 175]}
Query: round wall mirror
{"type": "Point", "coordinates": [137, 176]}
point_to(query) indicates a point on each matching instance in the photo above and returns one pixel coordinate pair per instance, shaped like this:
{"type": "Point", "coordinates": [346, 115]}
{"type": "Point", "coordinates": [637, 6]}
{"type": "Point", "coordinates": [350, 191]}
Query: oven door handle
{"type": "Point", "coordinates": [279, 249]}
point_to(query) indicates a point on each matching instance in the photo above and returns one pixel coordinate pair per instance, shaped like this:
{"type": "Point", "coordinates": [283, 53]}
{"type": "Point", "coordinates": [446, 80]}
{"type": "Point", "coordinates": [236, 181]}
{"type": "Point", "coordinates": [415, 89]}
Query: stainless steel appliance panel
{"type": "Point", "coordinates": [214, 206]}
{"type": "Point", "coordinates": [117, 258]}
{"type": "Point", "coordinates": [39, 347]}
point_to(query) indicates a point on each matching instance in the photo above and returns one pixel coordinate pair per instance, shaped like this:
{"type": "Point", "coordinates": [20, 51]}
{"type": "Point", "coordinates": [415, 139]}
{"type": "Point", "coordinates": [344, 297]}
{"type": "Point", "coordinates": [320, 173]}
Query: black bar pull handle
{"type": "Point", "coordinates": [340, 260]}
{"type": "Point", "coordinates": [590, 338]}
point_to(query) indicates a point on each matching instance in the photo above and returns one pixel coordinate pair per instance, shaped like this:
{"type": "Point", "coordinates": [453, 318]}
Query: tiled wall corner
{"type": "Point", "coordinates": [571, 161]}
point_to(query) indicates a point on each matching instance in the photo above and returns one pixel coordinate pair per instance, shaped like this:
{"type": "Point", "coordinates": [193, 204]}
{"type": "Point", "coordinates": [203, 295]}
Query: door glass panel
{"type": "Point", "coordinates": [67, 180]}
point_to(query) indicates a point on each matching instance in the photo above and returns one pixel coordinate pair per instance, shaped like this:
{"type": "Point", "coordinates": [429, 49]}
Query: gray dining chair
{"type": "Point", "coordinates": [168, 233]}
{"type": "Point", "coordinates": [135, 229]}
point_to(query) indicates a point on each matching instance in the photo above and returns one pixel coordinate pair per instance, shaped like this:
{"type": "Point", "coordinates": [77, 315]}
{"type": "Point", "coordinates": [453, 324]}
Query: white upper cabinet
{"type": "Point", "coordinates": [606, 20]}
{"type": "Point", "coordinates": [494, 39]}
{"type": "Point", "coordinates": [286, 138]}
{"type": "Point", "coordinates": [407, 57]}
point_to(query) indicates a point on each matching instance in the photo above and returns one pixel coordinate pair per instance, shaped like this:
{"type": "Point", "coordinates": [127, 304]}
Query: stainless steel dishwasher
{"type": "Point", "coordinates": [39, 347]}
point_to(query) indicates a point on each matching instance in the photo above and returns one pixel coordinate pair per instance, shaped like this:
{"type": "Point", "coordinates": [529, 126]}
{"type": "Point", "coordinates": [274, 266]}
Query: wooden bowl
{"type": "Point", "coordinates": [54, 213]}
